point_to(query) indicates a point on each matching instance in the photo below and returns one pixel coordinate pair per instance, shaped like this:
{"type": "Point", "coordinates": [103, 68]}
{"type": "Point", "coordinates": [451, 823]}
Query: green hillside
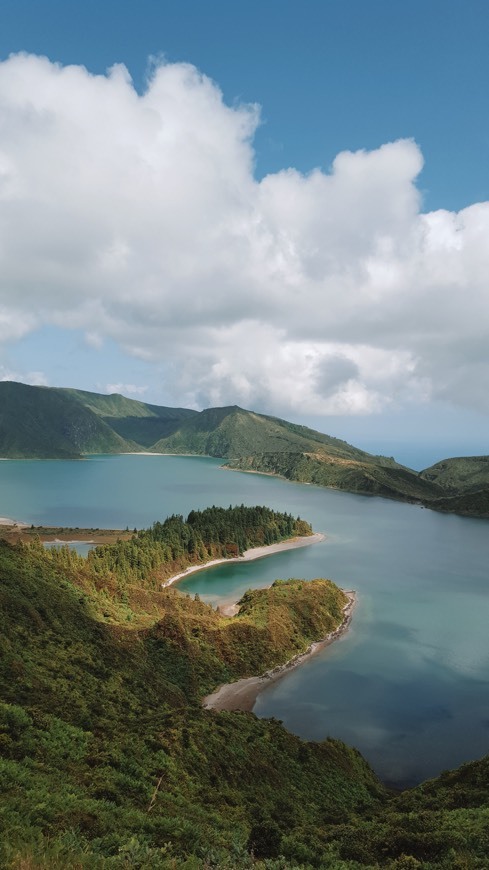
{"type": "Point", "coordinates": [233, 432]}
{"type": "Point", "coordinates": [351, 475]}
{"type": "Point", "coordinates": [107, 759]}
{"type": "Point", "coordinates": [468, 504]}
{"type": "Point", "coordinates": [460, 474]}
{"type": "Point", "coordinates": [58, 423]}
{"type": "Point", "coordinates": [44, 423]}
{"type": "Point", "coordinates": [256, 442]}
{"type": "Point", "coordinates": [465, 484]}
{"type": "Point", "coordinates": [136, 421]}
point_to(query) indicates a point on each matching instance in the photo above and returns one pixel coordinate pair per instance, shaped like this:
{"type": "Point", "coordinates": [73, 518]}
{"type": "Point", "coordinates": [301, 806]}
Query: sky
{"type": "Point", "coordinates": [274, 204]}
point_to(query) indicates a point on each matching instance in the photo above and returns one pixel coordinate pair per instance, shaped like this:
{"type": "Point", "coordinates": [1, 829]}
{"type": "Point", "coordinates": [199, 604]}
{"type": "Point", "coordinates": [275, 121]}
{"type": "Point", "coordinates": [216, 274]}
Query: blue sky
{"type": "Point", "coordinates": [330, 75]}
{"type": "Point", "coordinates": [182, 323]}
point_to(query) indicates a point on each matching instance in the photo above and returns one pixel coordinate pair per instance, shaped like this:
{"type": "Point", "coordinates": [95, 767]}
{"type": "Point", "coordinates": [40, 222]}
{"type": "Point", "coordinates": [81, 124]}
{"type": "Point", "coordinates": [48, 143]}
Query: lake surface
{"type": "Point", "coordinates": [409, 683]}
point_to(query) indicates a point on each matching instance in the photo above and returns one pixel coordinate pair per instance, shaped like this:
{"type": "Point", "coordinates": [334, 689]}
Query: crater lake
{"type": "Point", "coordinates": [408, 683]}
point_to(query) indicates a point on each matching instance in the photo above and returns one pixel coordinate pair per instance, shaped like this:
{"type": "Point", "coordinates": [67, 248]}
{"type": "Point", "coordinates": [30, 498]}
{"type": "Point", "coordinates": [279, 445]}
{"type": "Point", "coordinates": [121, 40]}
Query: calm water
{"type": "Point", "coordinates": [409, 684]}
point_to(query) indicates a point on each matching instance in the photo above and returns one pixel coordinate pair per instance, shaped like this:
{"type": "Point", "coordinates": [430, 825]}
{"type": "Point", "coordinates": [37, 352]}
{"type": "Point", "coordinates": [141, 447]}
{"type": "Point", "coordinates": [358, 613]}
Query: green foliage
{"type": "Point", "coordinates": [107, 759]}
{"type": "Point", "coordinates": [461, 474]}
{"type": "Point", "coordinates": [155, 554]}
{"type": "Point", "coordinates": [43, 422]}
{"type": "Point", "coordinates": [469, 504]}
{"type": "Point", "coordinates": [466, 482]}
{"type": "Point", "coordinates": [133, 420]}
{"type": "Point", "coordinates": [364, 474]}
{"type": "Point", "coordinates": [234, 432]}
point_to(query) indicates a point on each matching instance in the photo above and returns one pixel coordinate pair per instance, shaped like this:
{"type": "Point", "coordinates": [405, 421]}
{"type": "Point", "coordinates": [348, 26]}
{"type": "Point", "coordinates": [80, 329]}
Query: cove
{"type": "Point", "coordinates": [408, 684]}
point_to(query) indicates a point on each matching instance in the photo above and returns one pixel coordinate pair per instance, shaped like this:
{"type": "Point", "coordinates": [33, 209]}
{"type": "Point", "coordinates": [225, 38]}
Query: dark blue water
{"type": "Point", "coordinates": [409, 683]}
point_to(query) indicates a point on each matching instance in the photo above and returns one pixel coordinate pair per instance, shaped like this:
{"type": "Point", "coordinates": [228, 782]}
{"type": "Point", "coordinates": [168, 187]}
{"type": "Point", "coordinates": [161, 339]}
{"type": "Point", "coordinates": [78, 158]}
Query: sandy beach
{"type": "Point", "coordinates": [242, 694]}
{"type": "Point", "coordinates": [248, 556]}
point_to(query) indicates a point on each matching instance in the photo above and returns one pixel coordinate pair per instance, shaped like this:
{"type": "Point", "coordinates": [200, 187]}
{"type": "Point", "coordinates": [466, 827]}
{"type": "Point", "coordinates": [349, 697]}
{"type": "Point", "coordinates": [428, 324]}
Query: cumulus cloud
{"type": "Point", "coordinates": [137, 217]}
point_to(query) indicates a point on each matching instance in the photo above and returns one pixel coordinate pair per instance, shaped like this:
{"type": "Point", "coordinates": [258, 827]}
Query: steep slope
{"type": "Point", "coordinates": [50, 422]}
{"type": "Point", "coordinates": [43, 423]}
{"type": "Point", "coordinates": [460, 474]}
{"type": "Point", "coordinates": [467, 504]}
{"type": "Point", "coordinates": [137, 421]}
{"type": "Point", "coordinates": [232, 432]}
{"type": "Point", "coordinates": [352, 475]}
{"type": "Point", "coordinates": [465, 484]}
{"type": "Point", "coordinates": [107, 758]}
{"type": "Point", "coordinates": [256, 442]}
{"type": "Point", "coordinates": [108, 761]}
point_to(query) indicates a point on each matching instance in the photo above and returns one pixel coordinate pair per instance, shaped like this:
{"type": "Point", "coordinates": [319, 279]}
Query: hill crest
{"type": "Point", "coordinates": [63, 423]}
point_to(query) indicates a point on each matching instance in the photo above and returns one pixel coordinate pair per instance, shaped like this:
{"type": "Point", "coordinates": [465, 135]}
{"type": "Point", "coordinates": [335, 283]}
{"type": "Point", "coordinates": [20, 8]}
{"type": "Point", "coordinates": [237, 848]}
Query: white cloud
{"type": "Point", "coordinates": [137, 218]}
{"type": "Point", "coordinates": [36, 379]}
{"type": "Point", "coordinates": [126, 389]}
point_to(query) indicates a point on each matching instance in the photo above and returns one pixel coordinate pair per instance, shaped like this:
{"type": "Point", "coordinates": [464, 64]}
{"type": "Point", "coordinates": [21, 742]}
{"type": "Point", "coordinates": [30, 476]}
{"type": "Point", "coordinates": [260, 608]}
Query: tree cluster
{"type": "Point", "coordinates": [153, 554]}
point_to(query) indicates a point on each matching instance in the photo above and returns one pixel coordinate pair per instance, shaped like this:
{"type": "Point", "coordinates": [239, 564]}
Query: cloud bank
{"type": "Point", "coordinates": [138, 218]}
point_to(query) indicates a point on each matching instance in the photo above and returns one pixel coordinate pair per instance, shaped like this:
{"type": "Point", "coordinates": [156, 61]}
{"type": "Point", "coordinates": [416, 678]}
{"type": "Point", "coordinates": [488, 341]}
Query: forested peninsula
{"type": "Point", "coordinates": [54, 423]}
{"type": "Point", "coordinates": [108, 760]}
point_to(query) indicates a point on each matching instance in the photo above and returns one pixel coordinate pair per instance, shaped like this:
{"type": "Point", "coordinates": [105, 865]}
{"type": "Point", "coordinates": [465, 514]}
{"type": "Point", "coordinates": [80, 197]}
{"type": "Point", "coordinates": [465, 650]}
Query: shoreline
{"type": "Point", "coordinates": [17, 524]}
{"type": "Point", "coordinates": [249, 556]}
{"type": "Point", "coordinates": [153, 453]}
{"type": "Point", "coordinates": [241, 695]}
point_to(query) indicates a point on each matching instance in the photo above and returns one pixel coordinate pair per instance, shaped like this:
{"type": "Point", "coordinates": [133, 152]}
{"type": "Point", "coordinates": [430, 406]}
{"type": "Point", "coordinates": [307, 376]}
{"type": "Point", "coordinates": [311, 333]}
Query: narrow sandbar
{"type": "Point", "coordinates": [242, 694]}
{"type": "Point", "coordinates": [250, 555]}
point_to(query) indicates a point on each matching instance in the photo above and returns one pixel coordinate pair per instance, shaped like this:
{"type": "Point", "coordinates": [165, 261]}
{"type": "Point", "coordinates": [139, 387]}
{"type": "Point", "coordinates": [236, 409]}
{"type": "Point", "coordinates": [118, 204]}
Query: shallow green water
{"type": "Point", "coordinates": [408, 685]}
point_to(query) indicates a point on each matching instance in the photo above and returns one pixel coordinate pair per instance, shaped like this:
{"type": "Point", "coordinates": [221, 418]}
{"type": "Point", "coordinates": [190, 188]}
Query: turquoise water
{"type": "Point", "coordinates": [408, 684]}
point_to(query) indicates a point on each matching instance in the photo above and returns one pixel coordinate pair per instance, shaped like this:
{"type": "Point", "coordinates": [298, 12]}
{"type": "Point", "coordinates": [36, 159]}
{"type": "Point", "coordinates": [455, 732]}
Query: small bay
{"type": "Point", "coordinates": [408, 684]}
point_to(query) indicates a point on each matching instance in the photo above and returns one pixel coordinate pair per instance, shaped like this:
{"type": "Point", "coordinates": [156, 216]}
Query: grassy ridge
{"type": "Point", "coordinates": [460, 474]}
{"type": "Point", "coordinates": [351, 475]}
{"type": "Point", "coordinates": [51, 423]}
{"type": "Point", "coordinates": [133, 420]}
{"type": "Point", "coordinates": [233, 432]}
{"type": "Point", "coordinates": [465, 481]}
{"type": "Point", "coordinates": [42, 422]}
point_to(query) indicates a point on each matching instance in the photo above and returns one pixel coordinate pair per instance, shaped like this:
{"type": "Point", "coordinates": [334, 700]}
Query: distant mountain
{"type": "Point", "coordinates": [233, 432]}
{"type": "Point", "coordinates": [48, 422]}
{"type": "Point", "coordinates": [58, 423]}
{"type": "Point", "coordinates": [257, 442]}
{"type": "Point", "coordinates": [44, 423]}
{"type": "Point", "coordinates": [133, 420]}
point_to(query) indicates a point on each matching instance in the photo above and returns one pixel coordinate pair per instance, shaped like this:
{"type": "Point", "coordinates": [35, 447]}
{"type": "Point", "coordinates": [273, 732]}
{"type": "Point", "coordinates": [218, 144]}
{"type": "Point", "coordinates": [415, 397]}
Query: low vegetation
{"type": "Point", "coordinates": [107, 759]}
{"type": "Point", "coordinates": [465, 483]}
{"type": "Point", "coordinates": [461, 474]}
{"type": "Point", "coordinates": [345, 473]}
